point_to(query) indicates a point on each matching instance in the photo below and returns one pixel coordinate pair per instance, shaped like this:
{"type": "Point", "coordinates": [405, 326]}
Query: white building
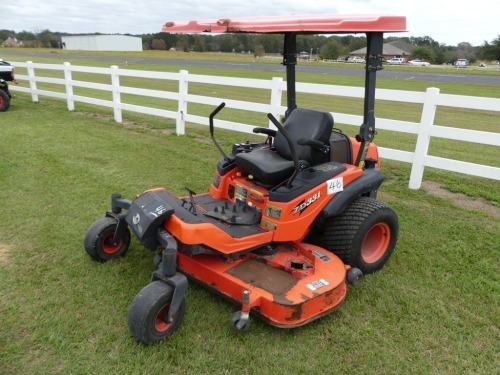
{"type": "Point", "coordinates": [102, 43]}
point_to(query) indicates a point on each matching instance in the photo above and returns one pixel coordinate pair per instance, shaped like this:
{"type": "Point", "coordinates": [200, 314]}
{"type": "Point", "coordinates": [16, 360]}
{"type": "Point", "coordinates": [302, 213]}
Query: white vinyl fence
{"type": "Point", "coordinates": [424, 130]}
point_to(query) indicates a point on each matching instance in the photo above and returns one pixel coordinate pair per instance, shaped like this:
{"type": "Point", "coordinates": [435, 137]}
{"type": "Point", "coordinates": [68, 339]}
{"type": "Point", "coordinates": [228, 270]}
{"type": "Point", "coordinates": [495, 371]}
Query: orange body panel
{"type": "Point", "coordinates": [372, 152]}
{"type": "Point", "coordinates": [299, 283]}
{"type": "Point", "coordinates": [293, 224]}
{"type": "Point", "coordinates": [209, 235]}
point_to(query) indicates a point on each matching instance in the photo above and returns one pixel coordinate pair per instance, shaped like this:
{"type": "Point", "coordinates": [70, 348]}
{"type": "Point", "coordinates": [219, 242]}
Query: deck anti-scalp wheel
{"type": "Point", "coordinates": [364, 235]}
{"type": "Point", "coordinates": [148, 313]}
{"type": "Point", "coordinates": [98, 240]}
{"type": "Point", "coordinates": [240, 322]}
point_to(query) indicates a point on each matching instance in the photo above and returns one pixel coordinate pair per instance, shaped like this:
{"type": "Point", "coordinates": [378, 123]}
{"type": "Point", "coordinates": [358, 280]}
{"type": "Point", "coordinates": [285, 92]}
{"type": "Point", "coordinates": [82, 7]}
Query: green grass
{"type": "Point", "coordinates": [434, 308]}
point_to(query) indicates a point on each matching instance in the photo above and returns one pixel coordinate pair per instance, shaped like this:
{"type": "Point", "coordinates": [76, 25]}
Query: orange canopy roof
{"type": "Point", "coordinates": [306, 24]}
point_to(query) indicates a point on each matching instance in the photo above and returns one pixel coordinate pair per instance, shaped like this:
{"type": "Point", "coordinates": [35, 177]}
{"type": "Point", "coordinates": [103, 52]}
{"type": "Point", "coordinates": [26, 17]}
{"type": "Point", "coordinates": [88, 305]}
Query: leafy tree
{"type": "Point", "coordinates": [182, 43]}
{"type": "Point", "coordinates": [423, 53]}
{"type": "Point", "coordinates": [346, 41]}
{"type": "Point", "coordinates": [199, 43]}
{"type": "Point", "coordinates": [466, 51]}
{"type": "Point", "coordinates": [259, 50]}
{"type": "Point", "coordinates": [227, 42]}
{"type": "Point", "coordinates": [271, 43]}
{"type": "Point", "coordinates": [4, 34]}
{"type": "Point", "coordinates": [330, 50]}
{"type": "Point", "coordinates": [158, 44]}
{"type": "Point", "coordinates": [244, 43]}
{"type": "Point", "coordinates": [423, 41]}
{"type": "Point", "coordinates": [440, 56]}
{"type": "Point", "coordinates": [147, 41]}
{"type": "Point", "coordinates": [357, 43]}
{"type": "Point", "coordinates": [490, 51]}
{"type": "Point", "coordinates": [46, 38]}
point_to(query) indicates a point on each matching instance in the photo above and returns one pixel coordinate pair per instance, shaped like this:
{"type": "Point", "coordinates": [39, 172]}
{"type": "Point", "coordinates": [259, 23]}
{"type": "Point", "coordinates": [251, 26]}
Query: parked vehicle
{"type": "Point", "coordinates": [6, 75]}
{"type": "Point", "coordinates": [247, 237]}
{"type": "Point", "coordinates": [419, 63]}
{"type": "Point", "coordinates": [462, 63]}
{"type": "Point", "coordinates": [356, 59]}
{"type": "Point", "coordinates": [396, 60]}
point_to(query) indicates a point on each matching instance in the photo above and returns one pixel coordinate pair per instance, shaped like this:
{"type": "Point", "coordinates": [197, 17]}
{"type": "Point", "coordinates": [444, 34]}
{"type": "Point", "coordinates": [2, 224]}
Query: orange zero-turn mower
{"type": "Point", "coordinates": [245, 238]}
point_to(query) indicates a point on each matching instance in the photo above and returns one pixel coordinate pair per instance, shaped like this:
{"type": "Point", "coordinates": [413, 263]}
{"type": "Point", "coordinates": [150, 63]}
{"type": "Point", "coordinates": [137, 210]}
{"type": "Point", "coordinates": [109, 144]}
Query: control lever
{"type": "Point", "coordinates": [211, 123]}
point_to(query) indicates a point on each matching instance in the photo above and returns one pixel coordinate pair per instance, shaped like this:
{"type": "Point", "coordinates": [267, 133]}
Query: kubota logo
{"type": "Point", "coordinates": [136, 218]}
{"type": "Point", "coordinates": [301, 207]}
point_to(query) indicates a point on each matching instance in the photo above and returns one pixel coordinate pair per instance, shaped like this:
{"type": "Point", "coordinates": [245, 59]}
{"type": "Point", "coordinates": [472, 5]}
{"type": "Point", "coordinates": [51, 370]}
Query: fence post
{"type": "Point", "coordinates": [115, 84]}
{"type": "Point", "coordinates": [69, 86]}
{"type": "Point", "coordinates": [276, 94]}
{"type": "Point", "coordinates": [180, 124]}
{"type": "Point", "coordinates": [32, 79]}
{"type": "Point", "coordinates": [423, 138]}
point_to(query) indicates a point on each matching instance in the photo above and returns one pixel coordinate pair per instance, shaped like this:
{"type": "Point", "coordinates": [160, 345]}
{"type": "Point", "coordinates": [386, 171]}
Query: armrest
{"type": "Point", "coordinates": [269, 132]}
{"type": "Point", "coordinates": [314, 144]}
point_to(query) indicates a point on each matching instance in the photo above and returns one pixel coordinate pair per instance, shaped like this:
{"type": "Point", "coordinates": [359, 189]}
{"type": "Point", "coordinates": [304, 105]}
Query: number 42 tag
{"type": "Point", "coordinates": [334, 185]}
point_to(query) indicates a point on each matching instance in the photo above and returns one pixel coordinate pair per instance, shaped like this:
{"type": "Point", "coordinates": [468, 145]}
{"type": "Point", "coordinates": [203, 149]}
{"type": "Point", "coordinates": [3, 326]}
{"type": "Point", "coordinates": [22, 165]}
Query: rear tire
{"type": "Point", "coordinates": [4, 101]}
{"type": "Point", "coordinates": [364, 235]}
{"type": "Point", "coordinates": [99, 237]}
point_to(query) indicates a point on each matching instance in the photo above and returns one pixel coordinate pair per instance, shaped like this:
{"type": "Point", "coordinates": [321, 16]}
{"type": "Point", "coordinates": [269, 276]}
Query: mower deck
{"type": "Point", "coordinates": [297, 283]}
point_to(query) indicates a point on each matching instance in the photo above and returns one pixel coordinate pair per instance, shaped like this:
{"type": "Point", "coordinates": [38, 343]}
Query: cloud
{"type": "Point", "coordinates": [450, 24]}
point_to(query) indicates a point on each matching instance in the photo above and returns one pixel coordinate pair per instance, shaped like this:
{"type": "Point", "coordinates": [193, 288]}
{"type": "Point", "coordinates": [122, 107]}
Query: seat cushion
{"type": "Point", "coordinates": [265, 165]}
{"type": "Point", "coordinates": [307, 124]}
{"type": "Point", "coordinates": [272, 166]}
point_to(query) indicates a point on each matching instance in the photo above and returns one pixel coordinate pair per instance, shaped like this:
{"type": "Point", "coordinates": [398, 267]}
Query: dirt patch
{"type": "Point", "coordinates": [136, 126]}
{"type": "Point", "coordinates": [127, 124]}
{"type": "Point", "coordinates": [460, 199]}
{"type": "Point", "coordinates": [4, 254]}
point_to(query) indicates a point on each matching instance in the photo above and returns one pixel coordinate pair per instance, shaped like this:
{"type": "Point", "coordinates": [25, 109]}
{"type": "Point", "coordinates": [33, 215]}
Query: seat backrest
{"type": "Point", "coordinates": [308, 124]}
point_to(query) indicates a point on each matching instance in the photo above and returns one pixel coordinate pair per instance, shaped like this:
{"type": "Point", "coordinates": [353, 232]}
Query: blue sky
{"type": "Point", "coordinates": [446, 21]}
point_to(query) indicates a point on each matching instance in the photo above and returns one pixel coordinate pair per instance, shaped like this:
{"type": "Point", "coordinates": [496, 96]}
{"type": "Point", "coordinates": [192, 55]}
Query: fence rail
{"type": "Point", "coordinates": [425, 129]}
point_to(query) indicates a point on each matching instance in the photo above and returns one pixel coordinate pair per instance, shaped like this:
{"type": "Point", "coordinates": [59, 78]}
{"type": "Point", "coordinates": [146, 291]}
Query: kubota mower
{"type": "Point", "coordinates": [245, 238]}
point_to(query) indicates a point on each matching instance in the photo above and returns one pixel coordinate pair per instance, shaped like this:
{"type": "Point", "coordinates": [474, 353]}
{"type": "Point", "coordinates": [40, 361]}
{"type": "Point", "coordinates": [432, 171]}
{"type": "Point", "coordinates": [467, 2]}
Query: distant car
{"type": "Point", "coordinates": [356, 59]}
{"type": "Point", "coordinates": [396, 60]}
{"type": "Point", "coordinates": [419, 63]}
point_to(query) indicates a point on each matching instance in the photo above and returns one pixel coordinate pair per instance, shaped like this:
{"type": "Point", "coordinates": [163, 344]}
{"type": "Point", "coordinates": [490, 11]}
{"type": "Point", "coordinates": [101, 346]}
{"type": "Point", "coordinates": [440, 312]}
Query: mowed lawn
{"type": "Point", "coordinates": [433, 309]}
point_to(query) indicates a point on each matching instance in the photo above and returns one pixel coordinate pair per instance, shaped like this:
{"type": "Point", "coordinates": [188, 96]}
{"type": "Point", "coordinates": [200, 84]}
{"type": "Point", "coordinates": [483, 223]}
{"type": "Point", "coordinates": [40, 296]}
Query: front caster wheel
{"type": "Point", "coordinates": [240, 321]}
{"type": "Point", "coordinates": [4, 101]}
{"type": "Point", "coordinates": [98, 240]}
{"type": "Point", "coordinates": [148, 313]}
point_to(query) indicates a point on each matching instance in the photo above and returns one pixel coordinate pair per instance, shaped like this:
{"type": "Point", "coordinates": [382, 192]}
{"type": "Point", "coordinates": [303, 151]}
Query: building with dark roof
{"type": "Point", "coordinates": [390, 50]}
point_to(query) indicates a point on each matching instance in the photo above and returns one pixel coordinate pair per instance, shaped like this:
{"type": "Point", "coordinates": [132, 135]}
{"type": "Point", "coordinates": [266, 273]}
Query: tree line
{"type": "Point", "coordinates": [321, 46]}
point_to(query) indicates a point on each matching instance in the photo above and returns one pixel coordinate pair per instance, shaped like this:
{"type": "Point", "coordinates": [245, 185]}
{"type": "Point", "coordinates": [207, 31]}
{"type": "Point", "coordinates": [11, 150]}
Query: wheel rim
{"type": "Point", "coordinates": [107, 244]}
{"type": "Point", "coordinates": [376, 242]}
{"type": "Point", "coordinates": [160, 321]}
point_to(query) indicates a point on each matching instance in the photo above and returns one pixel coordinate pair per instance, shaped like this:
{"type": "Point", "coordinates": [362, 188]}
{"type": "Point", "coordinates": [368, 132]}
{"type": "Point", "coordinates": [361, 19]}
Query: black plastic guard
{"type": "Point", "coordinates": [146, 214]}
{"type": "Point", "coordinates": [369, 182]}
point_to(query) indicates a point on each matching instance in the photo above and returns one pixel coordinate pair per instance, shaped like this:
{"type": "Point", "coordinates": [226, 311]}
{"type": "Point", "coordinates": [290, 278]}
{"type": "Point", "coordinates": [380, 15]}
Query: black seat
{"type": "Point", "coordinates": [273, 165]}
